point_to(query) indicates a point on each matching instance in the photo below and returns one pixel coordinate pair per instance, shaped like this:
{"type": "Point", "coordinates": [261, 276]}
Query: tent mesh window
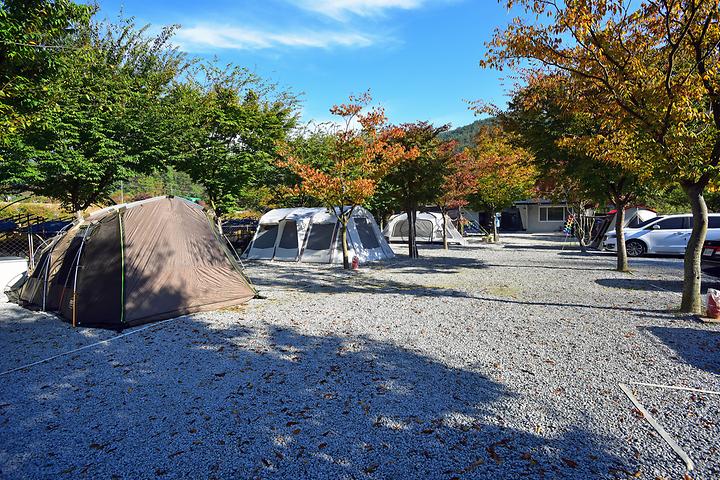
{"type": "Point", "coordinates": [266, 237]}
{"type": "Point", "coordinates": [424, 229]}
{"type": "Point", "coordinates": [401, 229]}
{"type": "Point", "coordinates": [320, 236]}
{"type": "Point", "coordinates": [367, 235]}
{"type": "Point", "coordinates": [67, 263]}
{"type": "Point", "coordinates": [41, 264]}
{"type": "Point", "coordinates": [289, 237]}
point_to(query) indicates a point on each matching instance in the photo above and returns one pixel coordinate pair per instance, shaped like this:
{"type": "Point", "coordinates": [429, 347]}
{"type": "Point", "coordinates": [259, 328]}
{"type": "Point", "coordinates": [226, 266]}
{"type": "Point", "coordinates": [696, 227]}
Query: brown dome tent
{"type": "Point", "coordinates": [137, 263]}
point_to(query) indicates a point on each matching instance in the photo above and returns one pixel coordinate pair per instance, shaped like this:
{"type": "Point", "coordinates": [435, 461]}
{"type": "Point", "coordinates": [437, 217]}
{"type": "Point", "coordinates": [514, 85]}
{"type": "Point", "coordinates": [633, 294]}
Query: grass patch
{"type": "Point", "coordinates": [504, 291]}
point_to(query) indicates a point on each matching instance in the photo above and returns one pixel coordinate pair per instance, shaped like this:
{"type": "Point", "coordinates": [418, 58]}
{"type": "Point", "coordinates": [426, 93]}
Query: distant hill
{"type": "Point", "coordinates": [465, 135]}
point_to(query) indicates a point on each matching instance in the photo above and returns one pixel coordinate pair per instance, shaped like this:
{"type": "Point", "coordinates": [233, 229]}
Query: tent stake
{"type": "Point", "coordinates": [689, 465]}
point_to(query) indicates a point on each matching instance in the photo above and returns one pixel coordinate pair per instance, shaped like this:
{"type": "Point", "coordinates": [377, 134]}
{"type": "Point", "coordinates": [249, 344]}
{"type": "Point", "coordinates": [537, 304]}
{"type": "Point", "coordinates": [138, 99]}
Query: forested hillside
{"type": "Point", "coordinates": [465, 135]}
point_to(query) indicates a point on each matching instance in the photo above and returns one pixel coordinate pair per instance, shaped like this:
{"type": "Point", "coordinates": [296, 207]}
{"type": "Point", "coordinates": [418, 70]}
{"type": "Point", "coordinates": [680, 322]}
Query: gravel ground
{"type": "Point", "coordinates": [487, 361]}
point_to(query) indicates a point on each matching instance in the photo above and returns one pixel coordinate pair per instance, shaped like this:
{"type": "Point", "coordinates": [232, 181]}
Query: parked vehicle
{"type": "Point", "coordinates": [668, 234]}
{"type": "Point", "coordinates": [711, 258]}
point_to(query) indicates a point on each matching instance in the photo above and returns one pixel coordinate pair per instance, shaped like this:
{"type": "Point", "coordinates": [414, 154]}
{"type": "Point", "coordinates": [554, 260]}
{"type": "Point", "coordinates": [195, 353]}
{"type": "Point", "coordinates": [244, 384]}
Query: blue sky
{"type": "Point", "coordinates": [419, 58]}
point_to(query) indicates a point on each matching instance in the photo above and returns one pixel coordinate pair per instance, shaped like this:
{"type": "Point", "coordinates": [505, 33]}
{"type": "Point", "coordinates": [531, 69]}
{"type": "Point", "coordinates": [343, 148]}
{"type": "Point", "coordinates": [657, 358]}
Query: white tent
{"type": "Point", "coordinates": [428, 229]}
{"type": "Point", "coordinates": [313, 235]}
{"type": "Point", "coordinates": [633, 217]}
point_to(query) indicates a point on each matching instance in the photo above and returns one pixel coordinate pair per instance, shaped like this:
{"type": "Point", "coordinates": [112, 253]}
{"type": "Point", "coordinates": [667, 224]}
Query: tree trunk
{"type": "Point", "coordinates": [496, 235]}
{"type": "Point", "coordinates": [79, 215]}
{"type": "Point", "coordinates": [445, 242]}
{"type": "Point", "coordinates": [416, 254]}
{"type": "Point", "coordinates": [622, 259]}
{"type": "Point", "coordinates": [691, 299]}
{"type": "Point", "coordinates": [412, 240]}
{"type": "Point", "coordinates": [411, 229]}
{"type": "Point", "coordinates": [345, 249]}
{"type": "Point", "coordinates": [579, 229]}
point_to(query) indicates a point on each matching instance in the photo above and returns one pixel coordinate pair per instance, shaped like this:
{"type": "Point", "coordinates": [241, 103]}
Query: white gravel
{"type": "Point", "coordinates": [497, 361]}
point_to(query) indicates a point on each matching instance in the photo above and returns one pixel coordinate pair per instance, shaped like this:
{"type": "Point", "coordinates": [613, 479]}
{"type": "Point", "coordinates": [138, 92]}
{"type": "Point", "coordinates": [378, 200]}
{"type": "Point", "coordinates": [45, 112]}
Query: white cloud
{"type": "Point", "coordinates": [339, 9]}
{"type": "Point", "coordinates": [212, 37]}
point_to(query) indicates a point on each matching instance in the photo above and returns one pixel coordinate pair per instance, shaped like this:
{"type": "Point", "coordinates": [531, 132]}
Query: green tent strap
{"type": "Point", "coordinates": [122, 266]}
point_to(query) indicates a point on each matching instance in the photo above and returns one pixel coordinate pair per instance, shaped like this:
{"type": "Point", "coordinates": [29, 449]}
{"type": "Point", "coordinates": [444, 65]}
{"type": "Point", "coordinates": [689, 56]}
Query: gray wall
{"type": "Point", "coordinates": [531, 219]}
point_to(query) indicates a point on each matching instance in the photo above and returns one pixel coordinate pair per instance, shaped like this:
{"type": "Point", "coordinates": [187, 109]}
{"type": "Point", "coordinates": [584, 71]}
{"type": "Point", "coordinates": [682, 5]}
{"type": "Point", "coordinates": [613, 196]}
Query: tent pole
{"type": "Point", "coordinates": [45, 277]}
{"type": "Point", "coordinates": [77, 266]}
{"type": "Point", "coordinates": [55, 242]}
{"type": "Point", "coordinates": [301, 250]}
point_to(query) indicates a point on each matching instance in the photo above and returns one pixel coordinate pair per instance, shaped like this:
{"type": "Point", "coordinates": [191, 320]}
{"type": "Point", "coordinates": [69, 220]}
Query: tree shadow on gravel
{"type": "Point", "coordinates": [646, 284]}
{"type": "Point", "coordinates": [531, 266]}
{"type": "Point", "coordinates": [216, 399]}
{"type": "Point", "coordinates": [403, 265]}
{"type": "Point", "coordinates": [698, 347]}
{"type": "Point", "coordinates": [644, 311]}
{"type": "Point", "coordinates": [298, 277]}
{"type": "Point", "coordinates": [560, 247]}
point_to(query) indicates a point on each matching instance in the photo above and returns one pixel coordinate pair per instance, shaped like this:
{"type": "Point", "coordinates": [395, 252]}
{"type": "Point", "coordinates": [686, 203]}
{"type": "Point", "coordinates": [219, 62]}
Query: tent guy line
{"type": "Point", "coordinates": [673, 387]}
{"type": "Point", "coordinates": [689, 465]}
{"type": "Point", "coordinates": [101, 342]}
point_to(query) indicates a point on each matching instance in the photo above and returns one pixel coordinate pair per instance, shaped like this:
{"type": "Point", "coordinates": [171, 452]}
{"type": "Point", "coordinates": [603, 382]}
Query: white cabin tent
{"type": "Point", "coordinates": [634, 216]}
{"type": "Point", "coordinates": [428, 229]}
{"type": "Point", "coordinates": [313, 235]}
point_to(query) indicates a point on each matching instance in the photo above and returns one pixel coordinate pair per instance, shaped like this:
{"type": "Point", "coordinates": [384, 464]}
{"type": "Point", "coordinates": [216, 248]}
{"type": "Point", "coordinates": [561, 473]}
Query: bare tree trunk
{"type": "Point", "coordinates": [445, 241]}
{"type": "Point", "coordinates": [622, 259]}
{"type": "Point", "coordinates": [345, 249]}
{"type": "Point", "coordinates": [411, 229]}
{"type": "Point", "coordinates": [579, 229]}
{"type": "Point", "coordinates": [79, 215]}
{"type": "Point", "coordinates": [691, 299]}
{"type": "Point", "coordinates": [416, 254]}
{"type": "Point", "coordinates": [496, 235]}
{"type": "Point", "coordinates": [412, 240]}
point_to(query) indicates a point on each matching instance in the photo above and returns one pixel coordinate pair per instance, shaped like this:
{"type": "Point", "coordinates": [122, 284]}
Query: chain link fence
{"type": "Point", "coordinates": [26, 235]}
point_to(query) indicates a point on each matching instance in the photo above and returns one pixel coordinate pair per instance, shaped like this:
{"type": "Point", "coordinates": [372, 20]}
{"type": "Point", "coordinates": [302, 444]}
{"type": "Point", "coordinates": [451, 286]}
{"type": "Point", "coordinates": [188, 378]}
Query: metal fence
{"type": "Point", "coordinates": [239, 233]}
{"type": "Point", "coordinates": [25, 235]}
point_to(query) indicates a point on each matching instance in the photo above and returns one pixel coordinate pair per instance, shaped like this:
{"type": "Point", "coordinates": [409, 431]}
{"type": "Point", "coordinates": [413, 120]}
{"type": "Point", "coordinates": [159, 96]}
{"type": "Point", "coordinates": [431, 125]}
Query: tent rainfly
{"type": "Point", "coordinates": [137, 263]}
{"type": "Point", "coordinates": [428, 229]}
{"type": "Point", "coordinates": [313, 235]}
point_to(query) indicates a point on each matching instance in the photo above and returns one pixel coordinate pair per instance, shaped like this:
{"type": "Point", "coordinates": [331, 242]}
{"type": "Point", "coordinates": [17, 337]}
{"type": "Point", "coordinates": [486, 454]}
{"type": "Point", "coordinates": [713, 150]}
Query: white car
{"type": "Point", "coordinates": [667, 234]}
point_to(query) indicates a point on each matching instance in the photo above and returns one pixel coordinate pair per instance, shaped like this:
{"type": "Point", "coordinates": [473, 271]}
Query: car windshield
{"type": "Point", "coordinates": [647, 222]}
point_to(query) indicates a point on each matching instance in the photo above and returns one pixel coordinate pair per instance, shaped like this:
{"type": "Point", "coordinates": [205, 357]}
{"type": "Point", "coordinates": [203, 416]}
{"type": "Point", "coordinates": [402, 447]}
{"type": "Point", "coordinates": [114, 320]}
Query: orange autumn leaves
{"type": "Point", "coordinates": [501, 172]}
{"type": "Point", "coordinates": [360, 151]}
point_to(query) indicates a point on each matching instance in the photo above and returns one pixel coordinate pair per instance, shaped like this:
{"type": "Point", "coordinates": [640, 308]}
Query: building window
{"type": "Point", "coordinates": [552, 214]}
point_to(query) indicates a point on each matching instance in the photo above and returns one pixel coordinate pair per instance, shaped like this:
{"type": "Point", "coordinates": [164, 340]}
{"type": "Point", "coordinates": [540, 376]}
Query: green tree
{"type": "Point", "coordinates": [34, 37]}
{"type": "Point", "coordinates": [503, 173]}
{"type": "Point", "coordinates": [311, 145]}
{"type": "Point", "coordinates": [99, 124]}
{"type": "Point", "coordinates": [416, 179]}
{"type": "Point", "coordinates": [561, 131]}
{"type": "Point", "coordinates": [654, 69]}
{"type": "Point", "coordinates": [226, 124]}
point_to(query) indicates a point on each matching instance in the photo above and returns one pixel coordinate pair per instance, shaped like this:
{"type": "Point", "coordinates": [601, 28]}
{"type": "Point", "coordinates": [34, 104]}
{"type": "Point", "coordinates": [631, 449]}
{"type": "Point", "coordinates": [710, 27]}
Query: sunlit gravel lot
{"type": "Point", "coordinates": [487, 361]}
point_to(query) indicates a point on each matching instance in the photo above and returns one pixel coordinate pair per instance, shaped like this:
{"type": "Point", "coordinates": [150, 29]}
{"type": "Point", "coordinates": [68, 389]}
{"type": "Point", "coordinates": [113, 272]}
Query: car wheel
{"type": "Point", "coordinates": [635, 248]}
